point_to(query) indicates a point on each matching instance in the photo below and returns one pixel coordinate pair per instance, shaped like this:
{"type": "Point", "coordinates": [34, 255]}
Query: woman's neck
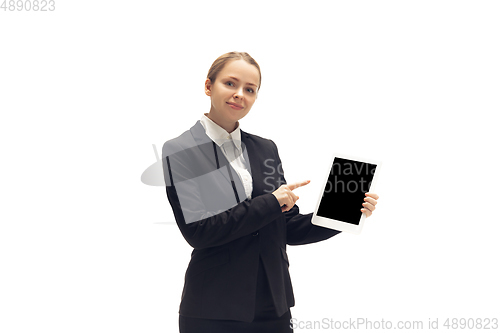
{"type": "Point", "coordinates": [228, 126]}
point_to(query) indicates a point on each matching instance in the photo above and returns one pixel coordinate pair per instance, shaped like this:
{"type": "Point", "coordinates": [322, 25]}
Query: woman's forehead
{"type": "Point", "coordinates": [241, 70]}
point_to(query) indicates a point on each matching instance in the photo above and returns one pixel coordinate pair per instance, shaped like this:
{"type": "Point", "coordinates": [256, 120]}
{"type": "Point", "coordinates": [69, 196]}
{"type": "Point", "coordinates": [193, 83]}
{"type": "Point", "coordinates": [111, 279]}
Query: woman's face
{"type": "Point", "coordinates": [233, 93]}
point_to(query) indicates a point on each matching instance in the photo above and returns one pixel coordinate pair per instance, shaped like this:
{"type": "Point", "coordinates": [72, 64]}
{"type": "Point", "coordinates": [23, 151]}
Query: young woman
{"type": "Point", "coordinates": [234, 207]}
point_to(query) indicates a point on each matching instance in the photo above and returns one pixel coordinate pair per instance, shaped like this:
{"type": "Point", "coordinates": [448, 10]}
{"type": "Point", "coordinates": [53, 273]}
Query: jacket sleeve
{"type": "Point", "coordinates": [241, 220]}
{"type": "Point", "coordinates": [299, 229]}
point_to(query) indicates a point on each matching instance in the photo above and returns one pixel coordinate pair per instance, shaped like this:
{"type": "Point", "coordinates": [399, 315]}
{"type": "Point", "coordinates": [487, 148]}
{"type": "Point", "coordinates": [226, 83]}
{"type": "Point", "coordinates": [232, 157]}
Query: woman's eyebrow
{"type": "Point", "coordinates": [249, 83]}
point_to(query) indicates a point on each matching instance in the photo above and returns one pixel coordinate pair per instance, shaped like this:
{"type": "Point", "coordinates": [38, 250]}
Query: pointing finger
{"type": "Point", "coordinates": [293, 186]}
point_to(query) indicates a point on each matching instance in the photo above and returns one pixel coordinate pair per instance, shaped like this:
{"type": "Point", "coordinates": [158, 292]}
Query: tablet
{"type": "Point", "coordinates": [341, 198]}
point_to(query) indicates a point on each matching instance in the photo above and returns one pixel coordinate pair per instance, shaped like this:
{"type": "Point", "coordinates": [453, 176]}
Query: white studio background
{"type": "Point", "coordinates": [87, 89]}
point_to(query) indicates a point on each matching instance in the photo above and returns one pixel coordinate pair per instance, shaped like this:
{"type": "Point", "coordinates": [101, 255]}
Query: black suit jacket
{"type": "Point", "coordinates": [229, 231]}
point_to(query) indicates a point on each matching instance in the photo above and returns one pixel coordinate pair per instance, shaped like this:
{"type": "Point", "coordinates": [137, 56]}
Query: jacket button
{"type": "Point", "coordinates": [255, 233]}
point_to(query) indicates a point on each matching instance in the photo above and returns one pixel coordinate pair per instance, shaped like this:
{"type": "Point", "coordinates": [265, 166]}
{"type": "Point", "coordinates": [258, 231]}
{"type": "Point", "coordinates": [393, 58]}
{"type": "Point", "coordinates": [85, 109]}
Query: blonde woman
{"type": "Point", "coordinates": [233, 205]}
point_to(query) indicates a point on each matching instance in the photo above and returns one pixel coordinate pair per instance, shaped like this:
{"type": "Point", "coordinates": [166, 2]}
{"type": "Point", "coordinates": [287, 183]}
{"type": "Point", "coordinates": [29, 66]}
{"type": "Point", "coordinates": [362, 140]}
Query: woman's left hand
{"type": "Point", "coordinates": [369, 204]}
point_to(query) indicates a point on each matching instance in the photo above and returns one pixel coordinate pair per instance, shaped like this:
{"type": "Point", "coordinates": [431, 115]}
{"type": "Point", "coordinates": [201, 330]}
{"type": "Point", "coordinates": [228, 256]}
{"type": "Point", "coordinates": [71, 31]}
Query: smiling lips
{"type": "Point", "coordinates": [235, 106]}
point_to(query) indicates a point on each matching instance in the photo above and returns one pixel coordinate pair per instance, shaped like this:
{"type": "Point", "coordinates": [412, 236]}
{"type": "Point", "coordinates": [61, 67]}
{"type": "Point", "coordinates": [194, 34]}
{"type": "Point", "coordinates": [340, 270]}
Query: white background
{"type": "Point", "coordinates": [86, 90]}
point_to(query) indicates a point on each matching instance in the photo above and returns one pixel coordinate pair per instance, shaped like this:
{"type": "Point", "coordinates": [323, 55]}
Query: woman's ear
{"type": "Point", "coordinates": [208, 87]}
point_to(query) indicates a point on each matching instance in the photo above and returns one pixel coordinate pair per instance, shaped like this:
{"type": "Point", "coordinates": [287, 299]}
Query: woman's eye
{"type": "Point", "coordinates": [250, 90]}
{"type": "Point", "coordinates": [229, 83]}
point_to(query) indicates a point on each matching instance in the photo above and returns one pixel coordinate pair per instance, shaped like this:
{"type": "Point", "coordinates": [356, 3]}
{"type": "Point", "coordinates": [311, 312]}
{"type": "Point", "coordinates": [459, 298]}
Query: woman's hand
{"type": "Point", "coordinates": [369, 204]}
{"type": "Point", "coordinates": [286, 197]}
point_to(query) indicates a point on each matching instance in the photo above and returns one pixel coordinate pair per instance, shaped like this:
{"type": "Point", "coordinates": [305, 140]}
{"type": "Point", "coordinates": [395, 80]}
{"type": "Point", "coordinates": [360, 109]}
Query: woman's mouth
{"type": "Point", "coordinates": [235, 106]}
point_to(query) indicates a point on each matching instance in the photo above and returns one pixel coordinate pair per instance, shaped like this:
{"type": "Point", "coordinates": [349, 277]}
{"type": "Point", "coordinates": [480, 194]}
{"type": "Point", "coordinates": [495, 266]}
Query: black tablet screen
{"type": "Point", "coordinates": [345, 190]}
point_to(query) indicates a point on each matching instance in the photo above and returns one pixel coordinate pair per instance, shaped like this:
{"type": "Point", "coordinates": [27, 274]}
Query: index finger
{"type": "Point", "coordinates": [293, 186]}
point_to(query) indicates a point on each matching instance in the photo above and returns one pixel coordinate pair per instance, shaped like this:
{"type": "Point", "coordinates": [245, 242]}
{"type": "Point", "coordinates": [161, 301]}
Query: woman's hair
{"type": "Point", "coordinates": [221, 61]}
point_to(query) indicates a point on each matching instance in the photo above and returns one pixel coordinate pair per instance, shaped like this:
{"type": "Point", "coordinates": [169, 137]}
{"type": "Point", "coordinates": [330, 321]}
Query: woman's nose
{"type": "Point", "coordinates": [238, 94]}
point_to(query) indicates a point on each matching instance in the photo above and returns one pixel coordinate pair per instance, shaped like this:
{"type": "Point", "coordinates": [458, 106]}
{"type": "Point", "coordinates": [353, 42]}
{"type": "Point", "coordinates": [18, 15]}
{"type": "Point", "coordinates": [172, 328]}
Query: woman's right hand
{"type": "Point", "coordinates": [286, 197]}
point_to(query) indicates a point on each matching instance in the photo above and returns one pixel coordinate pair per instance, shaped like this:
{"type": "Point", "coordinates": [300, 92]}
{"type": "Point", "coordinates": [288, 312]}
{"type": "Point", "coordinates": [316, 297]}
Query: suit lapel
{"type": "Point", "coordinates": [206, 146]}
{"type": "Point", "coordinates": [251, 154]}
{"type": "Point", "coordinates": [203, 142]}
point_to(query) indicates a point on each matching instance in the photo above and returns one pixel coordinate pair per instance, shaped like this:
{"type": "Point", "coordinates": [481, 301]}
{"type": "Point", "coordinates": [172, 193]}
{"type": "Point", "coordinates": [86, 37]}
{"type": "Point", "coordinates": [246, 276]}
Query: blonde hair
{"type": "Point", "coordinates": [221, 61]}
